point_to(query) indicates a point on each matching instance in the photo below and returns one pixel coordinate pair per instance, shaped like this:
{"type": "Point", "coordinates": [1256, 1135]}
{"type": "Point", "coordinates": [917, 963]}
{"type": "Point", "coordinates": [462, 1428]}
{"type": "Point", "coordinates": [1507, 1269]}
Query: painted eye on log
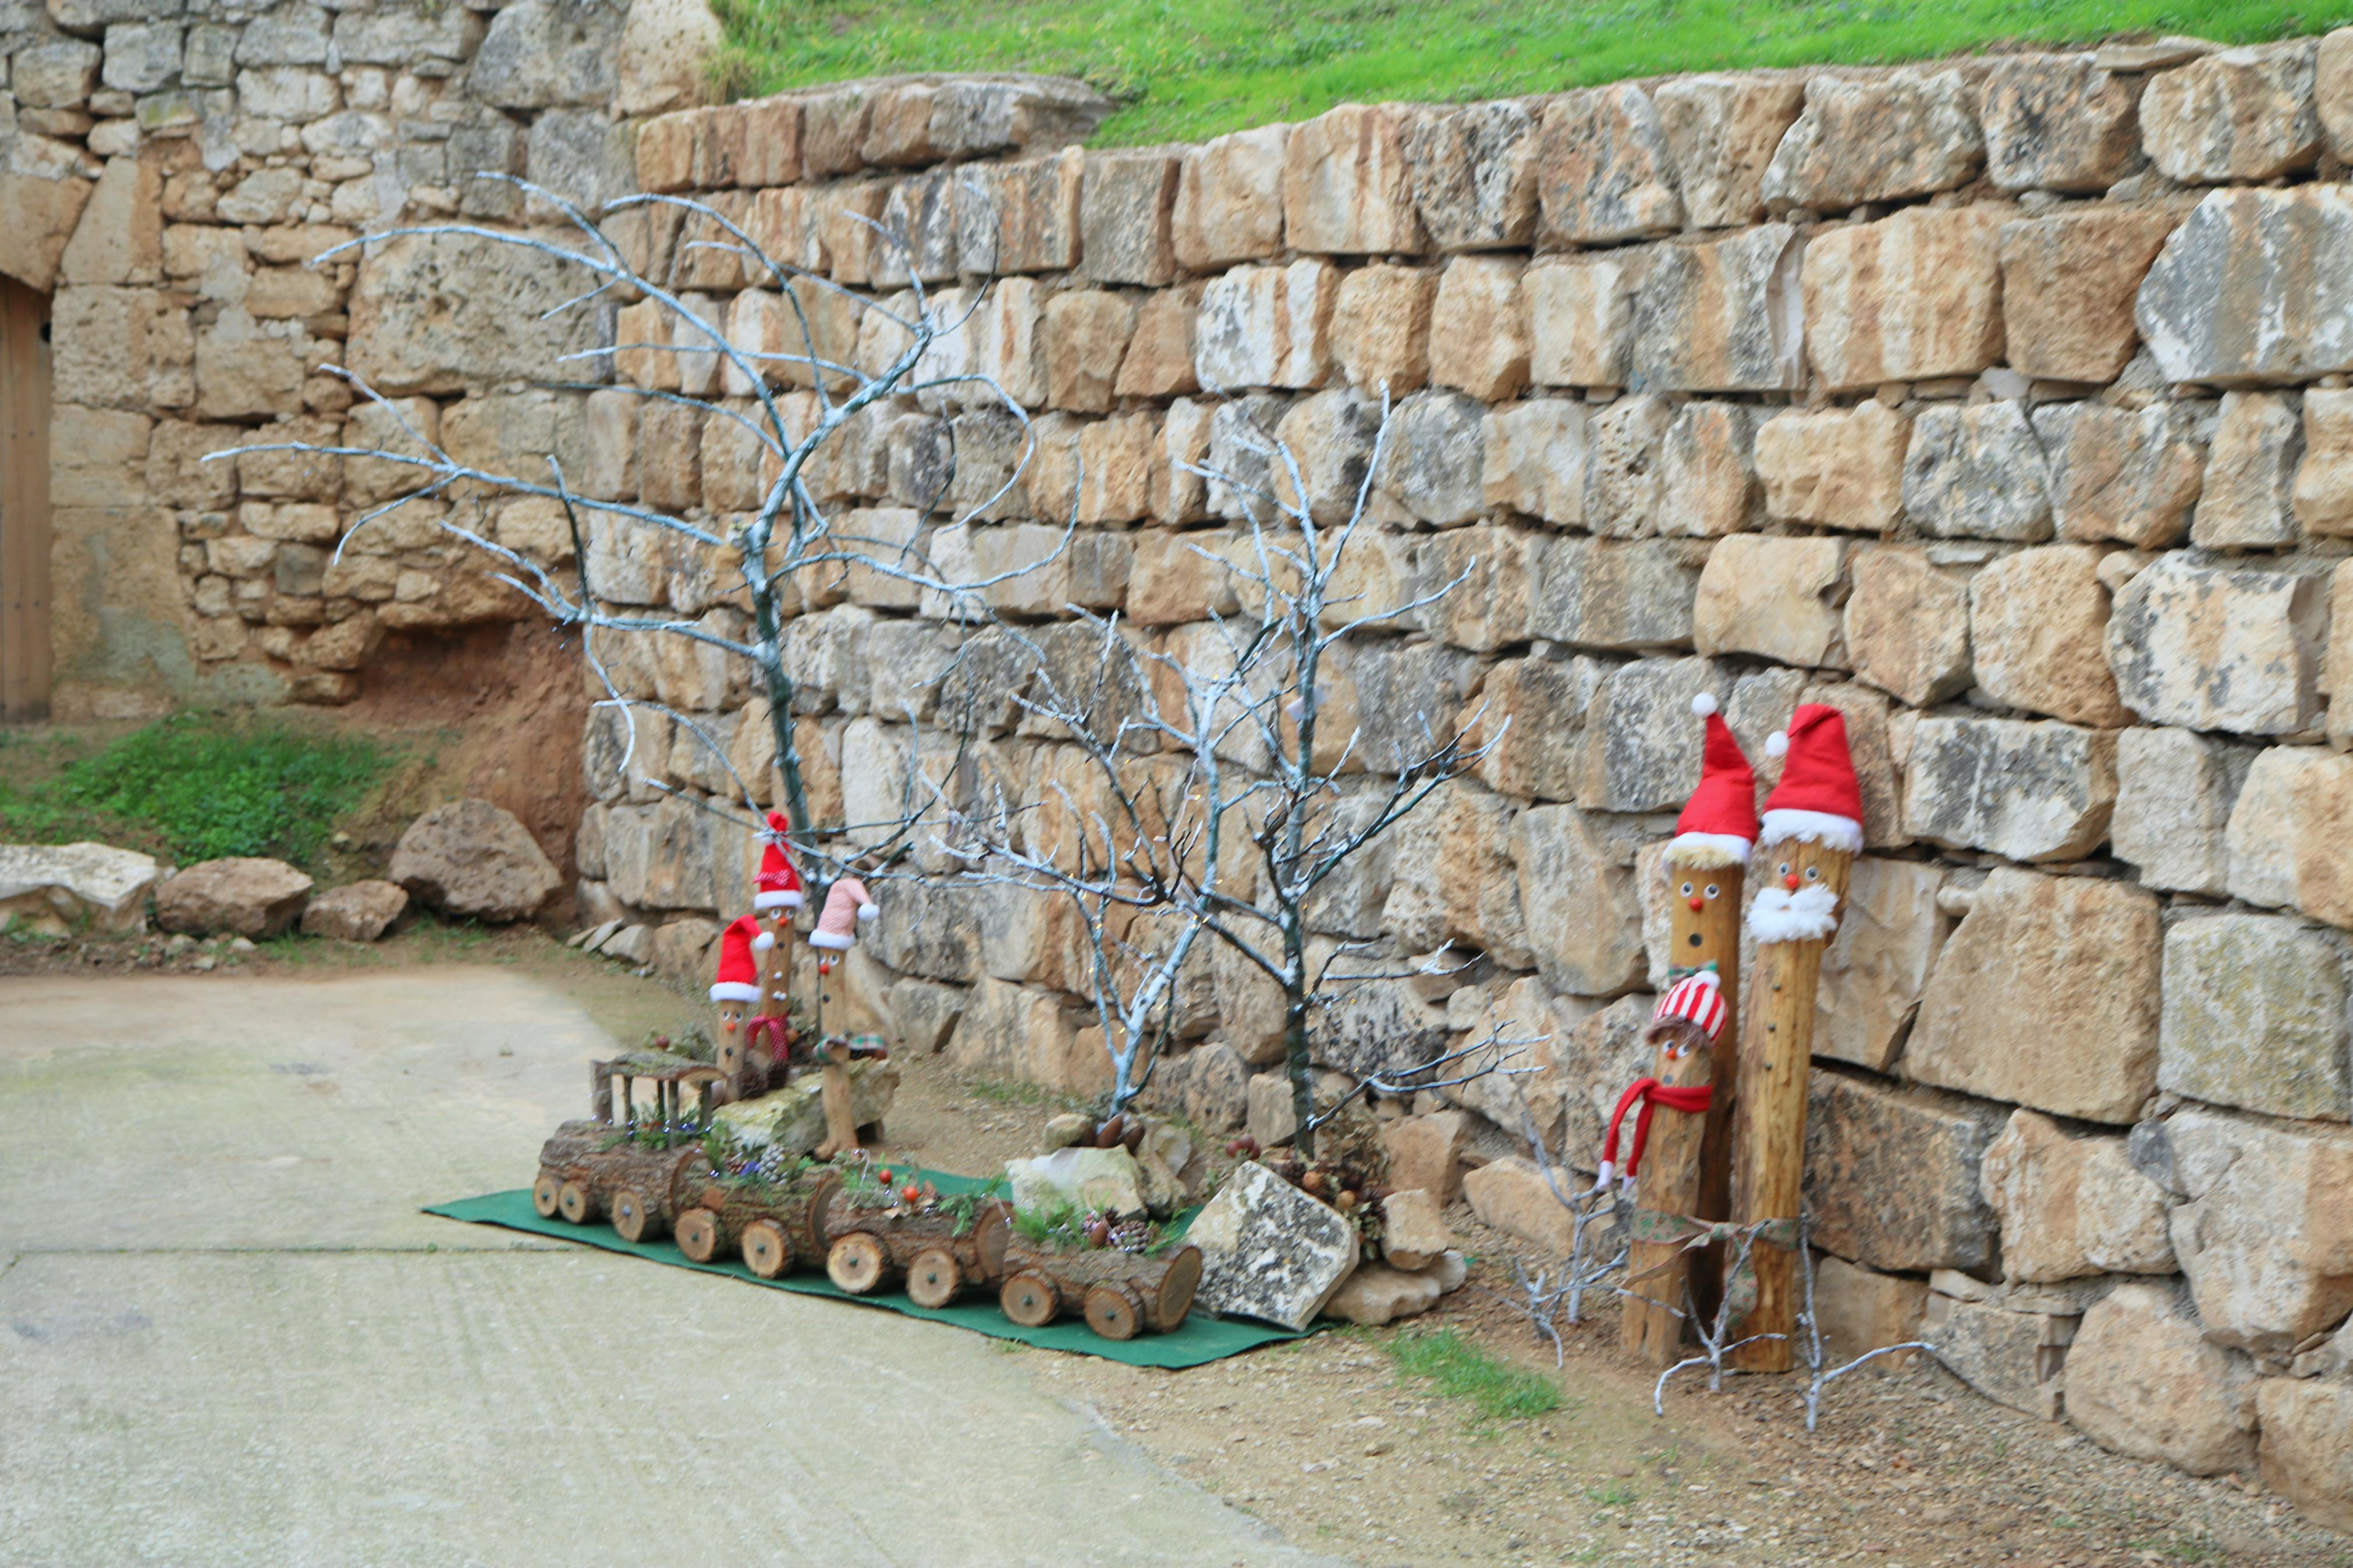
{"type": "Point", "coordinates": [1813, 873]}
{"type": "Point", "coordinates": [1712, 889]}
{"type": "Point", "coordinates": [1687, 887]}
{"type": "Point", "coordinates": [1785, 867]}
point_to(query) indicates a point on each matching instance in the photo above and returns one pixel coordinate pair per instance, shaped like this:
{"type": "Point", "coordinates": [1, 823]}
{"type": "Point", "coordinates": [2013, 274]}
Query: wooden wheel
{"type": "Point", "coordinates": [1030, 1299]}
{"type": "Point", "coordinates": [767, 1251]}
{"type": "Point", "coordinates": [933, 1278]}
{"type": "Point", "coordinates": [572, 1201]}
{"type": "Point", "coordinates": [698, 1234]}
{"type": "Point", "coordinates": [634, 1217]}
{"type": "Point", "coordinates": [1176, 1287]}
{"type": "Point", "coordinates": [544, 1192]}
{"type": "Point", "coordinates": [811, 1239]}
{"type": "Point", "coordinates": [1114, 1311]}
{"type": "Point", "coordinates": [856, 1262]}
{"type": "Point", "coordinates": [991, 1228]}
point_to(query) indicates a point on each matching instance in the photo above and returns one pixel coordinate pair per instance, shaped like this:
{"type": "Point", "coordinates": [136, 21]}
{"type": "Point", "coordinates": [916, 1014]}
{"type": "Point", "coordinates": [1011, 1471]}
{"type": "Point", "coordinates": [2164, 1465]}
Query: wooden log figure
{"type": "Point", "coordinates": [847, 906]}
{"type": "Point", "coordinates": [777, 899]}
{"type": "Point", "coordinates": [1690, 1018]}
{"type": "Point", "coordinates": [938, 1249]}
{"type": "Point", "coordinates": [776, 1227]}
{"type": "Point", "coordinates": [1123, 1294]}
{"type": "Point", "coordinates": [1811, 831]}
{"type": "Point", "coordinates": [735, 988]}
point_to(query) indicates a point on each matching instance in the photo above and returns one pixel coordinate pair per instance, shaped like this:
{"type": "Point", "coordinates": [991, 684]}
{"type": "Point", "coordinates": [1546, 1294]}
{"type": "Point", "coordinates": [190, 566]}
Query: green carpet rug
{"type": "Point", "coordinates": [1201, 1339]}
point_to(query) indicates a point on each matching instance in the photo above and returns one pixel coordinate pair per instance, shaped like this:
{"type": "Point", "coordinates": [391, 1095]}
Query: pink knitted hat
{"type": "Point", "coordinates": [845, 905]}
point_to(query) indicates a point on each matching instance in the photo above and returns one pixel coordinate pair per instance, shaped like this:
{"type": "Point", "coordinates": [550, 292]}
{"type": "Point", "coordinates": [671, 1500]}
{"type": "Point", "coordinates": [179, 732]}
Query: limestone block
{"type": "Point", "coordinates": [1976, 472]}
{"type": "Point", "coordinates": [53, 887]}
{"type": "Point", "coordinates": [2012, 1358]}
{"type": "Point", "coordinates": [1474, 174]}
{"type": "Point", "coordinates": [1861, 1311]}
{"type": "Point", "coordinates": [1839, 469]}
{"type": "Point", "coordinates": [1511, 1195]}
{"type": "Point", "coordinates": [1230, 199]}
{"type": "Point", "coordinates": [665, 46]}
{"type": "Point", "coordinates": [1086, 332]}
{"type": "Point", "coordinates": [2024, 791]}
{"type": "Point", "coordinates": [2069, 281]}
{"type": "Point", "coordinates": [2337, 673]}
{"type": "Point", "coordinates": [2267, 1237]}
{"type": "Point", "coordinates": [1004, 342]}
{"type": "Point", "coordinates": [1604, 173]}
{"type": "Point", "coordinates": [1907, 625]}
{"type": "Point", "coordinates": [2307, 1450]}
{"type": "Point", "coordinates": [247, 896]}
{"type": "Point", "coordinates": [1380, 328]}
{"type": "Point", "coordinates": [289, 94]}
{"type": "Point", "coordinates": [2285, 837]}
{"type": "Point", "coordinates": [40, 188]}
{"type": "Point", "coordinates": [2214, 649]}
{"type": "Point", "coordinates": [59, 73]}
{"type": "Point", "coordinates": [1641, 752]}
{"type": "Point", "coordinates": [2255, 1016]}
{"type": "Point", "coordinates": [2235, 114]}
{"type": "Point", "coordinates": [1478, 343]}
{"type": "Point", "coordinates": [1116, 457]}
{"type": "Point", "coordinates": [1534, 459]}
{"type": "Point", "coordinates": [1890, 931]}
{"type": "Point", "coordinates": [2070, 1206]}
{"type": "Point", "coordinates": [2175, 789]}
{"type": "Point", "coordinates": [2257, 285]}
{"type": "Point", "coordinates": [1533, 724]}
{"type": "Point", "coordinates": [1159, 359]}
{"type": "Point", "coordinates": [1348, 189]}
{"type": "Point", "coordinates": [2250, 472]}
{"type": "Point", "coordinates": [177, 473]}
{"type": "Point", "coordinates": [1581, 318]}
{"type": "Point", "coordinates": [1602, 593]}
{"type": "Point", "coordinates": [1425, 1152]}
{"type": "Point", "coordinates": [1437, 458]}
{"type": "Point", "coordinates": [441, 314]}
{"type": "Point", "coordinates": [1909, 134]}
{"type": "Point", "coordinates": [2333, 87]}
{"type": "Point", "coordinates": [1622, 473]}
{"type": "Point", "coordinates": [1708, 485]}
{"type": "Point", "coordinates": [1377, 1293]}
{"type": "Point", "coordinates": [1125, 203]}
{"type": "Point", "coordinates": [1583, 918]}
{"type": "Point", "coordinates": [1910, 296]}
{"type": "Point", "coordinates": [2038, 624]}
{"type": "Point", "coordinates": [2323, 493]}
{"type": "Point", "coordinates": [1017, 1033]}
{"type": "Point", "coordinates": [2058, 123]}
{"type": "Point", "coordinates": [1495, 572]}
{"type": "Point", "coordinates": [923, 237]}
{"type": "Point", "coordinates": [1771, 596]}
{"type": "Point", "coordinates": [127, 348]}
{"type": "Point", "coordinates": [2143, 1381]}
{"type": "Point", "coordinates": [2046, 994]}
{"type": "Point", "coordinates": [119, 236]}
{"type": "Point", "coordinates": [1892, 1174]}
{"type": "Point", "coordinates": [1720, 315]}
{"type": "Point", "coordinates": [1721, 132]}
{"type": "Point", "coordinates": [1019, 217]}
{"type": "Point", "coordinates": [1266, 326]}
{"type": "Point", "coordinates": [2120, 474]}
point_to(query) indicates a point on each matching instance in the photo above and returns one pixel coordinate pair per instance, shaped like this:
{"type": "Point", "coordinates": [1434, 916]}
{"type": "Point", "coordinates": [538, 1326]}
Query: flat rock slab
{"type": "Point", "coordinates": [50, 886]}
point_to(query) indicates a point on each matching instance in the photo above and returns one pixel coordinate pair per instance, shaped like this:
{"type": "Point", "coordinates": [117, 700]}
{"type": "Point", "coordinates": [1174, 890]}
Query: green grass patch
{"type": "Point", "coordinates": [1460, 1370]}
{"type": "Point", "coordinates": [1183, 69]}
{"type": "Point", "coordinates": [195, 786]}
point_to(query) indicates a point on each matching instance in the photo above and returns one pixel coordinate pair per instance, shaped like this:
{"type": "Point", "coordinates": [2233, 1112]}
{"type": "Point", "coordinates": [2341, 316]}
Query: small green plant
{"type": "Point", "coordinates": [1068, 1227]}
{"type": "Point", "coordinates": [1617, 1494]}
{"type": "Point", "coordinates": [1460, 1370]}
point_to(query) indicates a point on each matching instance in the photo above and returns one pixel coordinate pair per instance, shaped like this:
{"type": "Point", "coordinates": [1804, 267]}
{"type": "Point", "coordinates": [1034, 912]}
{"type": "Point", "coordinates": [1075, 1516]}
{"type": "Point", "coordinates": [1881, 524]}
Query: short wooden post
{"type": "Point", "coordinates": [1650, 1330]}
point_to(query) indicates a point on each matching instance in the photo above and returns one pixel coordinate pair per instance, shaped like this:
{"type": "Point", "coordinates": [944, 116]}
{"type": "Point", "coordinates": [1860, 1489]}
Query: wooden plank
{"type": "Point", "coordinates": [24, 503]}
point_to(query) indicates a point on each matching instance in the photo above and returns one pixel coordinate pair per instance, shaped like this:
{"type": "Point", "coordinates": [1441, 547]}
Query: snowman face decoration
{"type": "Point", "coordinates": [1695, 899]}
{"type": "Point", "coordinates": [731, 1016]}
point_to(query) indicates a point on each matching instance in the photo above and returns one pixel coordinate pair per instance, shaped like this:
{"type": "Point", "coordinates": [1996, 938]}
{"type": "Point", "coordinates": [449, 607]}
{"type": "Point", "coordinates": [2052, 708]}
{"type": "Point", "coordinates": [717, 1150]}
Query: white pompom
{"type": "Point", "coordinates": [1703, 704]}
{"type": "Point", "coordinates": [868, 911]}
{"type": "Point", "coordinates": [1776, 744]}
{"type": "Point", "coordinates": [764, 941]}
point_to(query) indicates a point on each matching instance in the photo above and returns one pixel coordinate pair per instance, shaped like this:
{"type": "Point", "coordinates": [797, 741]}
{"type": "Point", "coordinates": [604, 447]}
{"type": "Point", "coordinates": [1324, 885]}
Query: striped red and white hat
{"type": "Point", "coordinates": [1695, 999]}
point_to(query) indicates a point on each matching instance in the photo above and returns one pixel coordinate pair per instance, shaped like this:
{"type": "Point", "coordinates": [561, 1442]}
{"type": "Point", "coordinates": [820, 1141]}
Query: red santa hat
{"type": "Point", "coordinates": [1718, 825]}
{"type": "Point", "coordinates": [738, 976]}
{"type": "Point", "coordinates": [1818, 799]}
{"type": "Point", "coordinates": [778, 886]}
{"type": "Point", "coordinates": [1697, 998]}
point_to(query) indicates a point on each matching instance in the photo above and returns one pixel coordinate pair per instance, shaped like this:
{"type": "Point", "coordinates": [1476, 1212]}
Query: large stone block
{"type": "Point", "coordinates": [1707, 471]}
{"type": "Point", "coordinates": [1230, 199]}
{"type": "Point", "coordinates": [1907, 625]}
{"type": "Point", "coordinates": [1911, 296]}
{"type": "Point", "coordinates": [2123, 475]}
{"type": "Point", "coordinates": [1976, 472]}
{"type": "Point", "coordinates": [2257, 285]}
{"type": "Point", "coordinates": [2024, 791]}
{"type": "Point", "coordinates": [442, 314]}
{"type": "Point", "coordinates": [1641, 751]}
{"type": "Point", "coordinates": [1583, 918]}
{"type": "Point", "coordinates": [2266, 1236]}
{"type": "Point", "coordinates": [2307, 1450]}
{"type": "Point", "coordinates": [2058, 123]}
{"type": "Point", "coordinates": [1839, 469]}
{"type": "Point", "coordinates": [2038, 625]}
{"type": "Point", "coordinates": [1347, 188]}
{"type": "Point", "coordinates": [1860, 1311]}
{"type": "Point", "coordinates": [1125, 207]}
{"type": "Point", "coordinates": [1019, 217]}
{"type": "Point", "coordinates": [1436, 465]}
{"type": "Point", "coordinates": [2011, 1357]}
{"type": "Point", "coordinates": [1771, 596]}
{"type": "Point", "coordinates": [2072, 1206]}
{"type": "Point", "coordinates": [42, 188]}
{"type": "Point", "coordinates": [1718, 315]}
{"type": "Point", "coordinates": [1474, 174]}
{"type": "Point", "coordinates": [1890, 931]}
{"type": "Point", "coordinates": [2143, 1381]}
{"type": "Point", "coordinates": [1581, 318]}
{"type": "Point", "coordinates": [1909, 133]}
{"type": "Point", "coordinates": [2243, 115]}
{"type": "Point", "coordinates": [1892, 1174]}
{"type": "Point", "coordinates": [2175, 789]}
{"type": "Point", "coordinates": [2255, 1016]}
{"type": "Point", "coordinates": [1511, 1195]}
{"type": "Point", "coordinates": [1534, 725]}
{"type": "Point", "coordinates": [2323, 495]}
{"type": "Point", "coordinates": [1478, 342]}
{"type": "Point", "coordinates": [1603, 170]}
{"type": "Point", "coordinates": [1493, 572]}
{"type": "Point", "coordinates": [2287, 839]}
{"type": "Point", "coordinates": [2069, 282]}
{"type": "Point", "coordinates": [2336, 672]}
{"type": "Point", "coordinates": [1721, 133]}
{"type": "Point", "coordinates": [2046, 994]}
{"type": "Point", "coordinates": [1380, 328]}
{"type": "Point", "coordinates": [1535, 458]}
{"type": "Point", "coordinates": [1621, 597]}
{"type": "Point", "coordinates": [2250, 471]}
{"type": "Point", "coordinates": [2214, 649]}
{"type": "Point", "coordinates": [1621, 467]}
{"type": "Point", "coordinates": [1266, 326]}
{"type": "Point", "coordinates": [2332, 86]}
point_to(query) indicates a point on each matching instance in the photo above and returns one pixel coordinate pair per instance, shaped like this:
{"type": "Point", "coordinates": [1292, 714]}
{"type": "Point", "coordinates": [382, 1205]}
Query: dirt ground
{"type": "Point", "coordinates": [1325, 1440]}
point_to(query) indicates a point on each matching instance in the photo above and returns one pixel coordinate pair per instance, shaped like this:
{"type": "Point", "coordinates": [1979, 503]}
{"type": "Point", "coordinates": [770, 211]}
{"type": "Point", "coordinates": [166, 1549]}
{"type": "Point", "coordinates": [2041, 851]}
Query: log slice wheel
{"type": "Point", "coordinates": [544, 1192]}
{"type": "Point", "coordinates": [1030, 1299]}
{"type": "Point", "coordinates": [857, 1262]}
{"type": "Point", "coordinates": [1114, 1311]}
{"type": "Point", "coordinates": [635, 1218]}
{"type": "Point", "coordinates": [697, 1232]}
{"type": "Point", "coordinates": [933, 1279]}
{"type": "Point", "coordinates": [767, 1251]}
{"type": "Point", "coordinates": [574, 1203]}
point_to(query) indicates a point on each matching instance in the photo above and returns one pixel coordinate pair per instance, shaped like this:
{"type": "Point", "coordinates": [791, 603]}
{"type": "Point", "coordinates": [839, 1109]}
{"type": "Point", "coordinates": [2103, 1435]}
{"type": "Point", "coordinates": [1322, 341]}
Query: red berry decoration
{"type": "Point", "coordinates": [911, 1191]}
{"type": "Point", "coordinates": [885, 1174]}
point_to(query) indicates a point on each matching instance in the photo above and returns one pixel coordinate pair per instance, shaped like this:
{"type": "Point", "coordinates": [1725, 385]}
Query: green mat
{"type": "Point", "coordinates": [1201, 1339]}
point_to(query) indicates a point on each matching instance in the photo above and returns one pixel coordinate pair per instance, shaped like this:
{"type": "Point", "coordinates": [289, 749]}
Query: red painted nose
{"type": "Point", "coordinates": [1697, 902]}
{"type": "Point", "coordinates": [728, 1024]}
{"type": "Point", "coordinates": [1791, 881]}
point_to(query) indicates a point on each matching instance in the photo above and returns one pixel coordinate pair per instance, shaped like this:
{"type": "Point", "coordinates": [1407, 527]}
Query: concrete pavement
{"type": "Point", "coordinates": [232, 1340]}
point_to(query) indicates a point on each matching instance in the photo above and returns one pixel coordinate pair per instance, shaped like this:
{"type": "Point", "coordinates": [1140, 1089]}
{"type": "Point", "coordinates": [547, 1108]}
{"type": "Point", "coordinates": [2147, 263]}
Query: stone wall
{"type": "Point", "coordinates": [2004, 407]}
{"type": "Point", "coordinates": [167, 168]}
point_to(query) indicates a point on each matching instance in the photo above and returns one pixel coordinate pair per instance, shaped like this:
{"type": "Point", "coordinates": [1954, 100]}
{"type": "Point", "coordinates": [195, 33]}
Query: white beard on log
{"type": "Point", "coordinates": [1780, 915]}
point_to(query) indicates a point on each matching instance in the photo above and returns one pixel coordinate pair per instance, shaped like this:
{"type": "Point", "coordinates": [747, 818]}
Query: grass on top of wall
{"type": "Point", "coordinates": [1185, 69]}
{"type": "Point", "coordinates": [195, 786]}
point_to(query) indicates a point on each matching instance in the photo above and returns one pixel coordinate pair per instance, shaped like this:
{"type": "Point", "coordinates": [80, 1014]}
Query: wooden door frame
{"type": "Point", "coordinates": [24, 530]}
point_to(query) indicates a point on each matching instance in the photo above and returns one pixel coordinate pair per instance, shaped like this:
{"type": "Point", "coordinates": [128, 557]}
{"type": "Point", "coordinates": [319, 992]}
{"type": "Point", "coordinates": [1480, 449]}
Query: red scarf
{"type": "Point", "coordinates": [1652, 1094]}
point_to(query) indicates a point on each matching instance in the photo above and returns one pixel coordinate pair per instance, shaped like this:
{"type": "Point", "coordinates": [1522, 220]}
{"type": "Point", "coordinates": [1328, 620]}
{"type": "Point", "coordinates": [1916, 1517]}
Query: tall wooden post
{"type": "Point", "coordinates": [1652, 1330]}
{"type": "Point", "coordinates": [1775, 1067]}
